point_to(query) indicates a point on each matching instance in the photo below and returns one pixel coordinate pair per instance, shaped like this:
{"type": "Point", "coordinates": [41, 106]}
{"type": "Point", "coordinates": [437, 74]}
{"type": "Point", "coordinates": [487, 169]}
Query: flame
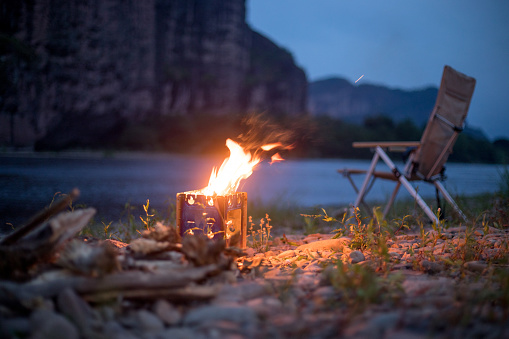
{"type": "Point", "coordinates": [239, 165]}
{"type": "Point", "coordinates": [268, 147]}
{"type": "Point", "coordinates": [275, 158]}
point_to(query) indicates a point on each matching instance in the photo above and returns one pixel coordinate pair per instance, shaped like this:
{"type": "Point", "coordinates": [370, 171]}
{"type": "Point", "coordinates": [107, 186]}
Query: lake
{"type": "Point", "coordinates": [29, 182]}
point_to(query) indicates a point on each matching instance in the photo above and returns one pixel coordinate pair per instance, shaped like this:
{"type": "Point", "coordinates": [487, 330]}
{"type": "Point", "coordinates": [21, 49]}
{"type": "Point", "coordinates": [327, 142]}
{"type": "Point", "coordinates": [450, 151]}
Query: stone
{"type": "Point", "coordinates": [14, 327]}
{"type": "Point", "coordinates": [106, 63]}
{"type": "Point", "coordinates": [180, 333]}
{"type": "Point", "coordinates": [168, 313]}
{"type": "Point", "coordinates": [113, 330]}
{"type": "Point", "coordinates": [48, 324]}
{"type": "Point", "coordinates": [77, 310]}
{"type": "Point", "coordinates": [148, 321]}
{"type": "Point", "coordinates": [241, 314]}
{"type": "Point", "coordinates": [265, 306]}
{"type": "Point", "coordinates": [475, 266]}
{"type": "Point", "coordinates": [431, 266]}
{"type": "Point", "coordinates": [356, 257]}
{"type": "Point", "coordinates": [326, 245]}
{"type": "Point", "coordinates": [286, 254]}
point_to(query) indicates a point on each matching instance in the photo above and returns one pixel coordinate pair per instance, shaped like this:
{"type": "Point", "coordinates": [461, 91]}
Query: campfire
{"type": "Point", "coordinates": [218, 210]}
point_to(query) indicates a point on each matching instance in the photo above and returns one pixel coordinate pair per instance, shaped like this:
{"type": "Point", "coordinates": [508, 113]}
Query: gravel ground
{"type": "Point", "coordinates": [450, 284]}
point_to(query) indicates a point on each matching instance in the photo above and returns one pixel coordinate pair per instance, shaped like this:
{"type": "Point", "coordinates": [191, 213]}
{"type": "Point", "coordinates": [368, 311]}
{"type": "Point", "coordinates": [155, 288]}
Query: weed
{"type": "Point", "coordinates": [149, 221]}
{"type": "Point", "coordinates": [360, 286]}
{"type": "Point", "coordinates": [260, 238]}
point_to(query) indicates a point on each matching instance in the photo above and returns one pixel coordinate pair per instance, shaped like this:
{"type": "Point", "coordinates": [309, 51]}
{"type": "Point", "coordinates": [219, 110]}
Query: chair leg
{"type": "Point", "coordinates": [362, 192]}
{"type": "Point", "coordinates": [366, 206]}
{"type": "Point", "coordinates": [393, 197]}
{"type": "Point", "coordinates": [449, 199]}
{"type": "Point", "coordinates": [407, 184]}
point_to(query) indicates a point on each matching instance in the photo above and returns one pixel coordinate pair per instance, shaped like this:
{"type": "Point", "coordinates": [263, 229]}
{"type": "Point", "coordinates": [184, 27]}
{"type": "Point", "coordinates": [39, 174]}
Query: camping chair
{"type": "Point", "coordinates": [427, 157]}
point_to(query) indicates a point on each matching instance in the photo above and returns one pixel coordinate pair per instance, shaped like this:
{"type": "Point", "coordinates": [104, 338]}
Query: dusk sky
{"type": "Point", "coordinates": [401, 44]}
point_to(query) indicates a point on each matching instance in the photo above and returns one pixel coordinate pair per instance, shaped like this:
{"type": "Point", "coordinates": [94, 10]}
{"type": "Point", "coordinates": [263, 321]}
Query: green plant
{"type": "Point", "coordinates": [149, 221]}
{"type": "Point", "coordinates": [360, 286]}
{"type": "Point", "coordinates": [260, 238]}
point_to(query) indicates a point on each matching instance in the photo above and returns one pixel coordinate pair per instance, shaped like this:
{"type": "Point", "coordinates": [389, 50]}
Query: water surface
{"type": "Point", "coordinates": [28, 183]}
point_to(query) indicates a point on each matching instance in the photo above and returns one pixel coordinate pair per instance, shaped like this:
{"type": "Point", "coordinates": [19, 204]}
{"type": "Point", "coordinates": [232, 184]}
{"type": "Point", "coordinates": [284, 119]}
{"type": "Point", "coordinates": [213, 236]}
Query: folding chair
{"type": "Point", "coordinates": [427, 157]}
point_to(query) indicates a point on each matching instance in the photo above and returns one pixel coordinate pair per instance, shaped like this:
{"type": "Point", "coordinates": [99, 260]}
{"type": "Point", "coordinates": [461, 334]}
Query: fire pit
{"type": "Point", "coordinates": [217, 217]}
{"type": "Point", "coordinates": [218, 210]}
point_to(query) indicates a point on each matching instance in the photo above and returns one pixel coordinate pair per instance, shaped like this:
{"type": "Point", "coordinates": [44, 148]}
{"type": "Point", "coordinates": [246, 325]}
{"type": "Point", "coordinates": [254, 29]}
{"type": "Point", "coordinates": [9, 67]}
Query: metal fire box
{"type": "Point", "coordinates": [218, 217]}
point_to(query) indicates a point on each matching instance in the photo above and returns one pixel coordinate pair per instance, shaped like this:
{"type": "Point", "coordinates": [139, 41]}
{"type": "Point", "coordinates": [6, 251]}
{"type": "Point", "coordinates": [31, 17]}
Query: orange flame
{"type": "Point", "coordinates": [239, 165]}
{"type": "Point", "coordinates": [275, 158]}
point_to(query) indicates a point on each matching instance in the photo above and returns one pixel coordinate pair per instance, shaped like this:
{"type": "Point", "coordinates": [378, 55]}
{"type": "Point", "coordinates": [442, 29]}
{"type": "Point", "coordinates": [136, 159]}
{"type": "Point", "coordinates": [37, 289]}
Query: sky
{"type": "Point", "coordinates": [400, 44]}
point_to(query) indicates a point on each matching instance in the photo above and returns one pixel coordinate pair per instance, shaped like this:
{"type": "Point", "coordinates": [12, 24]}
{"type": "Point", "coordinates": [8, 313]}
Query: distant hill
{"type": "Point", "coordinates": [338, 98]}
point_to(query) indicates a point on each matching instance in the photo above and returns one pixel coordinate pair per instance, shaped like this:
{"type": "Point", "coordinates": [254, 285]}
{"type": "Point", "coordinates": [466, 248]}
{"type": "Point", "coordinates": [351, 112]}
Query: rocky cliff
{"type": "Point", "coordinates": [73, 71]}
{"type": "Point", "coordinates": [339, 98]}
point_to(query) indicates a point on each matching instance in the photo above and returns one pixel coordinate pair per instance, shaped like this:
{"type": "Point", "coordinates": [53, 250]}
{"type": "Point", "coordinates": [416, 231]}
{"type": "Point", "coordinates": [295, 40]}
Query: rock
{"type": "Point", "coordinates": [325, 292]}
{"type": "Point", "coordinates": [475, 266]}
{"type": "Point", "coordinates": [326, 245]}
{"type": "Point", "coordinates": [77, 310]}
{"type": "Point", "coordinates": [181, 333]}
{"type": "Point", "coordinates": [422, 284]}
{"type": "Point", "coordinates": [431, 266]}
{"type": "Point", "coordinates": [46, 324]}
{"type": "Point", "coordinates": [356, 257]}
{"type": "Point", "coordinates": [241, 315]}
{"type": "Point", "coordinates": [149, 322]}
{"type": "Point", "coordinates": [308, 281]}
{"type": "Point", "coordinates": [113, 330]}
{"type": "Point", "coordinates": [14, 327]}
{"type": "Point", "coordinates": [249, 252]}
{"type": "Point", "coordinates": [168, 313]}
{"type": "Point", "coordinates": [286, 254]}
{"type": "Point", "coordinates": [234, 294]}
{"type": "Point", "coordinates": [265, 306]}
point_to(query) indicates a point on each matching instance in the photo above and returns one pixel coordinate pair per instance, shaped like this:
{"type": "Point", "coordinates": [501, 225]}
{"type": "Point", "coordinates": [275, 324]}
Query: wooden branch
{"type": "Point", "coordinates": [187, 294]}
{"type": "Point", "coordinates": [39, 218]}
{"type": "Point", "coordinates": [43, 243]}
{"type": "Point", "coordinates": [128, 283]}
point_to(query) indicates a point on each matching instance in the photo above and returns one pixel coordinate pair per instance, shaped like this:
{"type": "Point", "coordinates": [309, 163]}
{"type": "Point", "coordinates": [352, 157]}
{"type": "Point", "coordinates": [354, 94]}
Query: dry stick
{"type": "Point", "coordinates": [114, 283]}
{"type": "Point", "coordinates": [39, 218]}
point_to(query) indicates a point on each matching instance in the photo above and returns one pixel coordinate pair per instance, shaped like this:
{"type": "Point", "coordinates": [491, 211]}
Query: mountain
{"type": "Point", "coordinates": [76, 72]}
{"type": "Point", "coordinates": [338, 98]}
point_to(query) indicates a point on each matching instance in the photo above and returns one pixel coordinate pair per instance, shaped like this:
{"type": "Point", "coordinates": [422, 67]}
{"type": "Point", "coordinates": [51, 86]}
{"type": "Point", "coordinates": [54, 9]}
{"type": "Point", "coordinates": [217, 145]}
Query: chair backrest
{"type": "Point", "coordinates": [444, 124]}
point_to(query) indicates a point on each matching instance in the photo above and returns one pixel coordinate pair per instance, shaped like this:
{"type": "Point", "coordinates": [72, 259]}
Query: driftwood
{"type": "Point", "coordinates": [38, 242]}
{"type": "Point", "coordinates": [171, 283]}
{"type": "Point", "coordinates": [182, 294]}
{"type": "Point", "coordinates": [40, 217]}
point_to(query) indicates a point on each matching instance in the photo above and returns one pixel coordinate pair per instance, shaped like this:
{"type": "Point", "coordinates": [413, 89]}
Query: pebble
{"type": "Point", "coordinates": [431, 267]}
{"type": "Point", "coordinates": [356, 257]}
{"type": "Point", "coordinates": [286, 254]}
{"type": "Point", "coordinates": [326, 245]}
{"type": "Point", "coordinates": [475, 266]}
{"type": "Point", "coordinates": [148, 321]}
{"type": "Point", "coordinates": [113, 330]}
{"type": "Point", "coordinates": [48, 324]}
{"type": "Point", "coordinates": [168, 313]}
{"type": "Point", "coordinates": [77, 310]}
{"type": "Point", "coordinates": [242, 315]}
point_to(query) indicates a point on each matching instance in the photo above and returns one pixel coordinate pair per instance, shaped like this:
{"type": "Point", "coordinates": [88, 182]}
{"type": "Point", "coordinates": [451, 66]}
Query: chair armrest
{"type": "Point", "coordinates": [394, 146]}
